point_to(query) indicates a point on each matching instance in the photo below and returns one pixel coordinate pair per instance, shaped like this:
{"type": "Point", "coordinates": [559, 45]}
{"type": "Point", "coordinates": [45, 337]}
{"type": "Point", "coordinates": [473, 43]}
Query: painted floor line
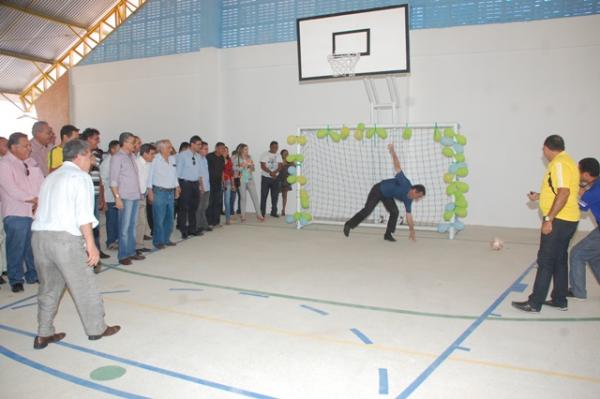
{"type": "Point", "coordinates": [67, 377]}
{"type": "Point", "coordinates": [383, 382]}
{"type": "Point", "coordinates": [358, 306]}
{"type": "Point", "coordinates": [319, 311]}
{"type": "Point", "coordinates": [361, 336]}
{"type": "Point", "coordinates": [8, 305]}
{"type": "Point", "coordinates": [24, 306]}
{"type": "Point", "coordinates": [158, 370]}
{"type": "Point", "coordinates": [186, 289]}
{"type": "Point", "coordinates": [458, 341]}
{"type": "Point", "coordinates": [253, 294]}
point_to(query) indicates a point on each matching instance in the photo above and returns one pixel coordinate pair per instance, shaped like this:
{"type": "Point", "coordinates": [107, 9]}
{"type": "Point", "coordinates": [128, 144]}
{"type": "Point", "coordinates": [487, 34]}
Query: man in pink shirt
{"type": "Point", "coordinates": [20, 182]}
{"type": "Point", "coordinates": [41, 144]}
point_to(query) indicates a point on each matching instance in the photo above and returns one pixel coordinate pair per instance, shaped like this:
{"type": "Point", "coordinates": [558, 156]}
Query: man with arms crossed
{"type": "Point", "coordinates": [388, 191]}
{"type": "Point", "coordinates": [63, 244]}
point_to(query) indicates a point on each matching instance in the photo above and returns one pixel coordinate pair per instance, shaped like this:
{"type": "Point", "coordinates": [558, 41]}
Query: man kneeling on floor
{"type": "Point", "coordinates": [63, 245]}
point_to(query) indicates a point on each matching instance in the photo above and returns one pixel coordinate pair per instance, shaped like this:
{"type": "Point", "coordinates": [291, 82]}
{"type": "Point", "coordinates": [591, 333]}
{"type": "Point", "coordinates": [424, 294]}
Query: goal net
{"type": "Point", "coordinates": [340, 167]}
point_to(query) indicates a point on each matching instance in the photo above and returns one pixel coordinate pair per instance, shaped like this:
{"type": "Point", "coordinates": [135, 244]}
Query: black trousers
{"type": "Point", "coordinates": [188, 204]}
{"type": "Point", "coordinates": [373, 199]}
{"type": "Point", "coordinates": [268, 184]}
{"type": "Point", "coordinates": [215, 204]}
{"type": "Point", "coordinates": [149, 216]}
{"type": "Point", "coordinates": [553, 264]}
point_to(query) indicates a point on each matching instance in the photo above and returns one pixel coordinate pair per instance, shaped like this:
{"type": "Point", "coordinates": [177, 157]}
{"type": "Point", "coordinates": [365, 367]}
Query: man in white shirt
{"type": "Point", "coordinates": [270, 165]}
{"type": "Point", "coordinates": [112, 213]}
{"type": "Point", "coordinates": [63, 244]}
{"type": "Point", "coordinates": [3, 151]}
{"type": "Point", "coordinates": [144, 160]}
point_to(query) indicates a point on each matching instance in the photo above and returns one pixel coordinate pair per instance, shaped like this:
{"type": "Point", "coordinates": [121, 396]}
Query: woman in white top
{"type": "Point", "coordinates": [243, 166]}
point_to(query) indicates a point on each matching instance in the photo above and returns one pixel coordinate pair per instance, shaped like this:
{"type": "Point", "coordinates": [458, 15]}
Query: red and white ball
{"type": "Point", "coordinates": [496, 244]}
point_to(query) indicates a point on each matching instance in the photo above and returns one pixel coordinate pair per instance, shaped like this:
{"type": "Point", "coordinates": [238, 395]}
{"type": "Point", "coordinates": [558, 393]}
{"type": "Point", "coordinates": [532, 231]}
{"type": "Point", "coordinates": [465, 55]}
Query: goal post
{"type": "Point", "coordinates": [340, 164]}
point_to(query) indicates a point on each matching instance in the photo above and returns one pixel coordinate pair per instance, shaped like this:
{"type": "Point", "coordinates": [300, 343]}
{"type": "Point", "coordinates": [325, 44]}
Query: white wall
{"type": "Point", "coordinates": [509, 85]}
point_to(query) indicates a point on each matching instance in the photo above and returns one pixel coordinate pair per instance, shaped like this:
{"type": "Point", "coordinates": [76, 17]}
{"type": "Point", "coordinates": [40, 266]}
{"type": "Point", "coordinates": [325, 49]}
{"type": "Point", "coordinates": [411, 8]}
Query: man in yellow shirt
{"type": "Point", "coordinates": [55, 156]}
{"type": "Point", "coordinates": [560, 210]}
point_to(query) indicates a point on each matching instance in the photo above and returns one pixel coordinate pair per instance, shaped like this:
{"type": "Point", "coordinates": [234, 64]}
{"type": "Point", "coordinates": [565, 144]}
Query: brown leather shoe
{"type": "Point", "coordinates": [125, 261]}
{"type": "Point", "coordinates": [138, 257]}
{"type": "Point", "coordinates": [160, 246]}
{"type": "Point", "coordinates": [110, 330]}
{"type": "Point", "coordinates": [42, 342]}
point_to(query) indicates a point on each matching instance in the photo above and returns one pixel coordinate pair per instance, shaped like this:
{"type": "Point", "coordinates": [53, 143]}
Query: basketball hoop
{"type": "Point", "coordinates": [343, 64]}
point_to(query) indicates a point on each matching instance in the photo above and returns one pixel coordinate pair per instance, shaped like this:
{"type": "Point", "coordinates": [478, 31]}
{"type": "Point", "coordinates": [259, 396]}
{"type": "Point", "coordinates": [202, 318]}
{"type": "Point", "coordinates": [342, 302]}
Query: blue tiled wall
{"type": "Point", "coordinates": [164, 27]}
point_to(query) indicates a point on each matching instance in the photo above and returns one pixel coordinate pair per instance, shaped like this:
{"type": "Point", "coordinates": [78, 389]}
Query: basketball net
{"type": "Point", "coordinates": [343, 64]}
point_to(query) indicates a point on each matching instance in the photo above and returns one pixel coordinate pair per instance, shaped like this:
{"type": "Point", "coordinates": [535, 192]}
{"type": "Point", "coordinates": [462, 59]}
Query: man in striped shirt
{"type": "Point", "coordinates": [92, 137]}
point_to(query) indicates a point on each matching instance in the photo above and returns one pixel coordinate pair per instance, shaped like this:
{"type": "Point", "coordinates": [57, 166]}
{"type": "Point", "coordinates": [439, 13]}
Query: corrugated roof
{"type": "Point", "coordinates": [40, 30]}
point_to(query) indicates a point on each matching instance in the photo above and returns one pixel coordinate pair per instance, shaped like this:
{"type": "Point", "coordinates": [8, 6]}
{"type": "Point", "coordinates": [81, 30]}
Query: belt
{"type": "Point", "coordinates": [156, 188]}
{"type": "Point", "coordinates": [188, 181]}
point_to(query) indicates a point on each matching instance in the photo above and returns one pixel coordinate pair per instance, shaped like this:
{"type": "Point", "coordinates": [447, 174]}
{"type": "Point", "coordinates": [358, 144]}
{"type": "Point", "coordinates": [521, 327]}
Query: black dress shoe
{"type": "Point", "coordinates": [553, 304]}
{"type": "Point", "coordinates": [144, 250]}
{"type": "Point", "coordinates": [208, 228]}
{"type": "Point", "coordinates": [125, 261]}
{"type": "Point", "coordinates": [389, 237]}
{"type": "Point", "coordinates": [184, 236]}
{"type": "Point", "coordinates": [138, 257]}
{"type": "Point", "coordinates": [42, 342]}
{"type": "Point", "coordinates": [18, 287]}
{"type": "Point", "coordinates": [160, 246]}
{"type": "Point", "coordinates": [525, 306]}
{"type": "Point", "coordinates": [274, 215]}
{"type": "Point", "coordinates": [170, 244]}
{"type": "Point", "coordinates": [110, 330]}
{"type": "Point", "coordinates": [103, 255]}
{"type": "Point", "coordinates": [197, 233]}
{"type": "Point", "coordinates": [346, 229]}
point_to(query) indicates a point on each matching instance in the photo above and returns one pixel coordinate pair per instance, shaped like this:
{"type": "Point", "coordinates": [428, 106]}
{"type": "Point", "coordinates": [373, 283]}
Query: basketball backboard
{"type": "Point", "coordinates": [379, 35]}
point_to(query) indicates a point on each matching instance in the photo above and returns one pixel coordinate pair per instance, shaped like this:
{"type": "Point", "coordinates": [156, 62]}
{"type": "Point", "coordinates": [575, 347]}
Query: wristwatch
{"type": "Point", "coordinates": [547, 219]}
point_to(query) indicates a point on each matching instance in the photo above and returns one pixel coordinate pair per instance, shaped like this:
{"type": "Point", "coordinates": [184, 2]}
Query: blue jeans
{"type": "Point", "coordinates": [586, 251]}
{"type": "Point", "coordinates": [18, 249]}
{"type": "Point", "coordinates": [227, 200]}
{"type": "Point", "coordinates": [112, 223]}
{"type": "Point", "coordinates": [127, 220]}
{"type": "Point", "coordinates": [163, 213]}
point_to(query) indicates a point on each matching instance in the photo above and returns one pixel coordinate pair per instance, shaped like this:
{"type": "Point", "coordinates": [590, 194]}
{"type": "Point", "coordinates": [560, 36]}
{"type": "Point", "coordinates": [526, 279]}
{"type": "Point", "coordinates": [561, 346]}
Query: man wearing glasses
{"type": "Point", "coordinates": [188, 173]}
{"type": "Point", "coordinates": [20, 182]}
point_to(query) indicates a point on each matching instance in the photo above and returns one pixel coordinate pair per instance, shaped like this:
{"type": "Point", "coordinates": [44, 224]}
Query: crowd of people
{"type": "Point", "coordinates": [144, 190]}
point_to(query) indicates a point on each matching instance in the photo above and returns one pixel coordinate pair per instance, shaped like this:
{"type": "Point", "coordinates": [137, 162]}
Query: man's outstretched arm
{"type": "Point", "coordinates": [394, 158]}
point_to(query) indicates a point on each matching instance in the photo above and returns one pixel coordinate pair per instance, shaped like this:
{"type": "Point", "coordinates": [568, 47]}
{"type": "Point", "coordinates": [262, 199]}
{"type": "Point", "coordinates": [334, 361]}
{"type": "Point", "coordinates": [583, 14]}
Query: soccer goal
{"type": "Point", "coordinates": [341, 164]}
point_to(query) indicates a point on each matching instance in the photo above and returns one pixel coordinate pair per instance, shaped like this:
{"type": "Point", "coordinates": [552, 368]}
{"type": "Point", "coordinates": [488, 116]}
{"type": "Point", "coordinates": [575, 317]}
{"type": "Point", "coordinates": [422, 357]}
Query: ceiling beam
{"type": "Point", "coordinates": [26, 57]}
{"type": "Point", "coordinates": [51, 18]}
{"type": "Point", "coordinates": [9, 91]}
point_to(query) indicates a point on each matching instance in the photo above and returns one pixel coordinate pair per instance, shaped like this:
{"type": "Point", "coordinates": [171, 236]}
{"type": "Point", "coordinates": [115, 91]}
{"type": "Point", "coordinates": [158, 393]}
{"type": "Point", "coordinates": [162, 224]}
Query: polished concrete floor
{"type": "Point", "coordinates": [262, 310]}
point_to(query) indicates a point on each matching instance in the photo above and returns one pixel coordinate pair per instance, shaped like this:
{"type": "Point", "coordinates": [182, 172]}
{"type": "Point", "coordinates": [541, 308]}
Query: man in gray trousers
{"type": "Point", "coordinates": [64, 248]}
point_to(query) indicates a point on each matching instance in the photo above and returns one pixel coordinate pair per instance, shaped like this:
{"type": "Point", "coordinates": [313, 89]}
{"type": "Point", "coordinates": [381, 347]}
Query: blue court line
{"type": "Point", "coordinates": [495, 315]}
{"type": "Point", "coordinates": [521, 287]}
{"type": "Point", "coordinates": [383, 382]}
{"type": "Point", "coordinates": [462, 348]}
{"type": "Point", "coordinates": [440, 359]}
{"type": "Point", "coordinates": [8, 305]}
{"type": "Point", "coordinates": [148, 367]}
{"type": "Point", "coordinates": [253, 294]}
{"type": "Point", "coordinates": [24, 306]}
{"type": "Point", "coordinates": [319, 311]}
{"type": "Point", "coordinates": [186, 289]}
{"type": "Point", "coordinates": [115, 292]}
{"type": "Point", "coordinates": [67, 377]}
{"type": "Point", "coordinates": [361, 336]}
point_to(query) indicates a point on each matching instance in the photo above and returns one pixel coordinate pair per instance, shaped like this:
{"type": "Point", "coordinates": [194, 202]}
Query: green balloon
{"type": "Point", "coordinates": [299, 158]}
{"type": "Point", "coordinates": [291, 179]}
{"type": "Point", "coordinates": [462, 186]}
{"type": "Point", "coordinates": [322, 133]}
{"type": "Point", "coordinates": [344, 133]}
{"type": "Point", "coordinates": [448, 178]}
{"type": "Point", "coordinates": [460, 212]}
{"type": "Point", "coordinates": [462, 172]}
{"type": "Point", "coordinates": [449, 132]}
{"type": "Point", "coordinates": [307, 216]}
{"type": "Point", "coordinates": [448, 152]}
{"type": "Point", "coordinates": [407, 133]}
{"type": "Point", "coordinates": [461, 202]}
{"type": "Point", "coordinates": [335, 136]}
{"type": "Point", "coordinates": [290, 158]}
{"type": "Point", "coordinates": [360, 126]}
{"type": "Point", "coordinates": [297, 216]}
{"type": "Point", "coordinates": [382, 133]}
{"type": "Point", "coordinates": [371, 133]}
{"type": "Point", "coordinates": [437, 135]}
{"type": "Point", "coordinates": [459, 157]}
{"type": "Point", "coordinates": [301, 180]}
{"type": "Point", "coordinates": [448, 215]}
{"type": "Point", "coordinates": [460, 139]}
{"type": "Point", "coordinates": [358, 134]}
{"type": "Point", "coordinates": [451, 189]}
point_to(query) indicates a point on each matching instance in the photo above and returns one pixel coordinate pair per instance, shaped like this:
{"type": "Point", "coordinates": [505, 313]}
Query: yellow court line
{"type": "Point", "coordinates": [355, 344]}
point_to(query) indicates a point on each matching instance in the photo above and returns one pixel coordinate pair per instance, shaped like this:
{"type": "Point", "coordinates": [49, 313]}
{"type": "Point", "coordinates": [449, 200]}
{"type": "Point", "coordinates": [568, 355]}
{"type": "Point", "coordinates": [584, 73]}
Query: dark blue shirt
{"type": "Point", "coordinates": [397, 188]}
{"type": "Point", "coordinates": [590, 200]}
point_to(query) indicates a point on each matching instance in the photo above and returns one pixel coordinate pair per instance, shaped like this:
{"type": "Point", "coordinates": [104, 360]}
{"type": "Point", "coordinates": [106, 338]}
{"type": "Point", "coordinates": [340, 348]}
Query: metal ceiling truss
{"type": "Point", "coordinates": [47, 17]}
{"type": "Point", "coordinates": [84, 45]}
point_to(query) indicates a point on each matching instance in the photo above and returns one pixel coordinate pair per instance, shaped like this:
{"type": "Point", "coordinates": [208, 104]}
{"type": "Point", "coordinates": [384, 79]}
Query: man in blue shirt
{"type": "Point", "coordinates": [188, 173]}
{"type": "Point", "coordinates": [387, 191]}
{"type": "Point", "coordinates": [588, 249]}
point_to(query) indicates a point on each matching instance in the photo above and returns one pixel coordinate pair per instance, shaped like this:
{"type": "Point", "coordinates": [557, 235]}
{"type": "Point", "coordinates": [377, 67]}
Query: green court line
{"type": "Point", "coordinates": [355, 305]}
